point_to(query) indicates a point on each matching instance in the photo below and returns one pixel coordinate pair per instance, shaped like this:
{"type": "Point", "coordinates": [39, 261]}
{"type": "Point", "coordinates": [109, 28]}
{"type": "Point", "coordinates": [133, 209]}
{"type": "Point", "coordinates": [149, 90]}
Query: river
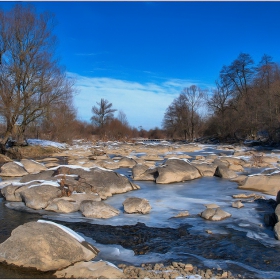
{"type": "Point", "coordinates": [242, 243]}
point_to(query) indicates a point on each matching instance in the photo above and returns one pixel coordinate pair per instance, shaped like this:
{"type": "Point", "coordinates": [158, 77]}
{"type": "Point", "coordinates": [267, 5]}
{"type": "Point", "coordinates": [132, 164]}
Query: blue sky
{"type": "Point", "coordinates": [140, 55]}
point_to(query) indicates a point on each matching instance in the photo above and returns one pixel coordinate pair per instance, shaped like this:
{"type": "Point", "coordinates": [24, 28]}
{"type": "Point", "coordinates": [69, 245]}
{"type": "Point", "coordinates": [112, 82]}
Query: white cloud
{"type": "Point", "coordinates": [143, 103]}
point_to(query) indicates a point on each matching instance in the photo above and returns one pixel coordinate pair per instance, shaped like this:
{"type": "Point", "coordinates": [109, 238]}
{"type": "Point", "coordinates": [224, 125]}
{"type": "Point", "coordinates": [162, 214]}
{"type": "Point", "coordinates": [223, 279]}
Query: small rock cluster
{"type": "Point", "coordinates": [173, 271]}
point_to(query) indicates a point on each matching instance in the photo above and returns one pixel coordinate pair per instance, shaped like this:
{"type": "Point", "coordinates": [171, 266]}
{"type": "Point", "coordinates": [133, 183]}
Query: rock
{"type": "Point", "coordinates": [91, 270]}
{"type": "Point", "coordinates": [63, 205]}
{"type": "Point", "coordinates": [215, 214]}
{"type": "Point", "coordinates": [31, 166]}
{"type": "Point", "coordinates": [211, 206]}
{"type": "Point", "coordinates": [102, 181]}
{"type": "Point", "coordinates": [244, 195]}
{"type": "Point", "coordinates": [176, 170]}
{"type": "Point", "coordinates": [127, 162]}
{"type": "Point", "coordinates": [277, 230]}
{"type": "Point", "coordinates": [79, 197]}
{"type": "Point", "coordinates": [182, 214]}
{"type": "Point", "coordinates": [278, 197]}
{"type": "Point", "coordinates": [268, 184]}
{"type": "Point", "coordinates": [13, 169]}
{"type": "Point", "coordinates": [44, 175]}
{"type": "Point", "coordinates": [236, 167]}
{"type": "Point", "coordinates": [239, 179]}
{"type": "Point", "coordinates": [137, 205]}
{"type": "Point", "coordinates": [277, 213]}
{"type": "Point", "coordinates": [143, 172]}
{"type": "Point", "coordinates": [206, 169]}
{"type": "Point", "coordinates": [237, 204]}
{"type": "Point", "coordinates": [9, 193]}
{"type": "Point", "coordinates": [188, 267]}
{"type": "Point", "coordinates": [45, 247]}
{"type": "Point", "coordinates": [98, 209]}
{"type": "Point", "coordinates": [225, 172]}
{"type": "Point", "coordinates": [38, 197]}
{"type": "Point", "coordinates": [110, 164]}
{"type": "Point", "coordinates": [233, 160]}
{"type": "Point", "coordinates": [4, 159]}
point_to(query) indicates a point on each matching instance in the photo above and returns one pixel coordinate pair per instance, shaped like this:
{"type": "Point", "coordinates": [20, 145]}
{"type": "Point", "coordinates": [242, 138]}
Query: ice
{"type": "Point", "coordinates": [66, 229]}
{"type": "Point", "coordinates": [39, 142]}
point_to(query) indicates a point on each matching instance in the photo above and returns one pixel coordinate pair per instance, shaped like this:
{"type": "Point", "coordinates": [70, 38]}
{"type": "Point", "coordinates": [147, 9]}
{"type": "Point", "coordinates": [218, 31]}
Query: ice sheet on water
{"type": "Point", "coordinates": [39, 142]}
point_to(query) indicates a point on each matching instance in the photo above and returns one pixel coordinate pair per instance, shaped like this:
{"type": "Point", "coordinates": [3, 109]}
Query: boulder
{"type": "Point", "coordinates": [237, 204]}
{"type": "Point", "coordinates": [205, 169]}
{"type": "Point", "coordinates": [143, 172]}
{"type": "Point", "coordinates": [277, 230]}
{"type": "Point", "coordinates": [233, 160]}
{"type": "Point", "coordinates": [91, 270]}
{"type": "Point", "coordinates": [9, 193]}
{"type": "Point", "coordinates": [236, 167]}
{"type": "Point", "coordinates": [31, 166]}
{"type": "Point", "coordinates": [39, 196]}
{"type": "Point", "coordinates": [137, 205]}
{"type": "Point", "coordinates": [176, 170]}
{"type": "Point", "coordinates": [182, 214]}
{"type": "Point", "coordinates": [215, 214]}
{"type": "Point", "coordinates": [110, 164]}
{"type": "Point", "coordinates": [63, 205]}
{"type": "Point", "coordinates": [277, 213]}
{"type": "Point", "coordinates": [13, 169]}
{"type": "Point", "coordinates": [43, 175]}
{"type": "Point", "coordinates": [225, 172]}
{"type": "Point", "coordinates": [106, 182]}
{"type": "Point", "coordinates": [98, 209]}
{"type": "Point", "coordinates": [4, 159]}
{"type": "Point", "coordinates": [45, 246]}
{"type": "Point", "coordinates": [268, 184]}
{"type": "Point", "coordinates": [127, 162]}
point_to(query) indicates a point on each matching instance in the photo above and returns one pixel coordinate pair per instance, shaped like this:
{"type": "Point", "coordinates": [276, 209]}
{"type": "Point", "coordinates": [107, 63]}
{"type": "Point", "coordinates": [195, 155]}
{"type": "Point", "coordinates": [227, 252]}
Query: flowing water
{"type": "Point", "coordinates": [242, 243]}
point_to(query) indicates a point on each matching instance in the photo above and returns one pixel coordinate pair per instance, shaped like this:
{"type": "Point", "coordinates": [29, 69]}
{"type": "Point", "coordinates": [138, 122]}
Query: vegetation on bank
{"type": "Point", "coordinates": [36, 96]}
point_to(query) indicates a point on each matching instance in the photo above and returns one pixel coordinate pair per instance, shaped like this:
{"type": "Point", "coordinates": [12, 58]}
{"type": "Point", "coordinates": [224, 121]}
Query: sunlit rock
{"type": "Point", "coordinates": [137, 205]}
{"type": "Point", "coordinates": [237, 204]}
{"type": "Point", "coordinates": [45, 247]}
{"type": "Point", "coordinates": [31, 166]}
{"type": "Point", "coordinates": [13, 169]}
{"type": "Point", "coordinates": [143, 172]}
{"type": "Point", "coordinates": [98, 209]}
{"type": "Point", "coordinates": [176, 170]}
{"type": "Point", "coordinates": [91, 270]}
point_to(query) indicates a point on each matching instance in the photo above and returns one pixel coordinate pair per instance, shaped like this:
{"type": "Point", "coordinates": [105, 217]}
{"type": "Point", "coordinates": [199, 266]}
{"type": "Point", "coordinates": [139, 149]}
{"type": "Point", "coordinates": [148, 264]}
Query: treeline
{"type": "Point", "coordinates": [245, 104]}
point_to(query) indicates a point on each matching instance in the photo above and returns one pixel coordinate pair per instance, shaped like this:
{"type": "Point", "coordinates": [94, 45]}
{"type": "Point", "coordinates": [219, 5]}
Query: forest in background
{"type": "Point", "coordinates": [36, 96]}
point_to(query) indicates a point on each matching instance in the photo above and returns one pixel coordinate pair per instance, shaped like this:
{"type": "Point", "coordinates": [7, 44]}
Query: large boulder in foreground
{"type": "Point", "coordinates": [91, 270]}
{"type": "Point", "coordinates": [45, 247]}
{"type": "Point", "coordinates": [268, 184]}
{"type": "Point", "coordinates": [137, 205]}
{"type": "Point", "coordinates": [176, 170]}
{"type": "Point", "coordinates": [98, 209]}
{"type": "Point", "coordinates": [13, 169]}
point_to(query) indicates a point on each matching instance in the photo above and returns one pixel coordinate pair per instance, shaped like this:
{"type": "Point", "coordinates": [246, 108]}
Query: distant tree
{"type": "Point", "coordinates": [195, 98]}
{"type": "Point", "coordinates": [122, 118]}
{"type": "Point", "coordinates": [31, 81]}
{"type": "Point", "coordinates": [103, 113]}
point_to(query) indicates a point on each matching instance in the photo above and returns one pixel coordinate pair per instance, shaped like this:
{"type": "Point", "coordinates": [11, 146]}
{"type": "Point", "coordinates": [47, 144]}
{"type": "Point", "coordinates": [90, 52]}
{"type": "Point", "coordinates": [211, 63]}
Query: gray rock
{"type": "Point", "coordinates": [43, 246]}
{"type": "Point", "coordinates": [137, 205]}
{"type": "Point", "coordinates": [225, 172]}
{"type": "Point", "coordinates": [176, 170]}
{"type": "Point", "coordinates": [277, 213]}
{"type": "Point", "coordinates": [13, 169]}
{"type": "Point", "coordinates": [44, 175]}
{"type": "Point", "coordinates": [38, 197]}
{"type": "Point", "coordinates": [127, 162]}
{"type": "Point", "coordinates": [205, 169]}
{"type": "Point", "coordinates": [98, 209]}
{"type": "Point", "coordinates": [143, 172]}
{"type": "Point", "coordinates": [63, 205]}
{"type": "Point", "coordinates": [9, 193]}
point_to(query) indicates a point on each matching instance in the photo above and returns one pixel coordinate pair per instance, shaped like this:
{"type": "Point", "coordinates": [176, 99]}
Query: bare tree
{"type": "Point", "coordinates": [103, 113]}
{"type": "Point", "coordinates": [194, 98]}
{"type": "Point", "coordinates": [31, 80]}
{"type": "Point", "coordinates": [122, 118]}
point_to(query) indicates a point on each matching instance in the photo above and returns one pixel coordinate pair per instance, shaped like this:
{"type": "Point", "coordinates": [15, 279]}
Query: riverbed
{"type": "Point", "coordinates": [242, 243]}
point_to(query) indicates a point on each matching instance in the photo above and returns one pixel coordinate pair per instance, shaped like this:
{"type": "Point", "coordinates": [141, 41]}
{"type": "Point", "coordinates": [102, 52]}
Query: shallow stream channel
{"type": "Point", "coordinates": [242, 244]}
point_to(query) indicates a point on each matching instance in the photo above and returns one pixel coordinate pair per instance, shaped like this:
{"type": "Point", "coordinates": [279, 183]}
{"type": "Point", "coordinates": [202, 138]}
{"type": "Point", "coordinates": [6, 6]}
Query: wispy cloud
{"type": "Point", "coordinates": [143, 103]}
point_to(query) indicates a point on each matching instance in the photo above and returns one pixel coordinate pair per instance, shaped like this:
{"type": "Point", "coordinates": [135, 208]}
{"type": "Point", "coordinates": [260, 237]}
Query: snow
{"type": "Point", "coordinates": [46, 143]}
{"type": "Point", "coordinates": [66, 229]}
